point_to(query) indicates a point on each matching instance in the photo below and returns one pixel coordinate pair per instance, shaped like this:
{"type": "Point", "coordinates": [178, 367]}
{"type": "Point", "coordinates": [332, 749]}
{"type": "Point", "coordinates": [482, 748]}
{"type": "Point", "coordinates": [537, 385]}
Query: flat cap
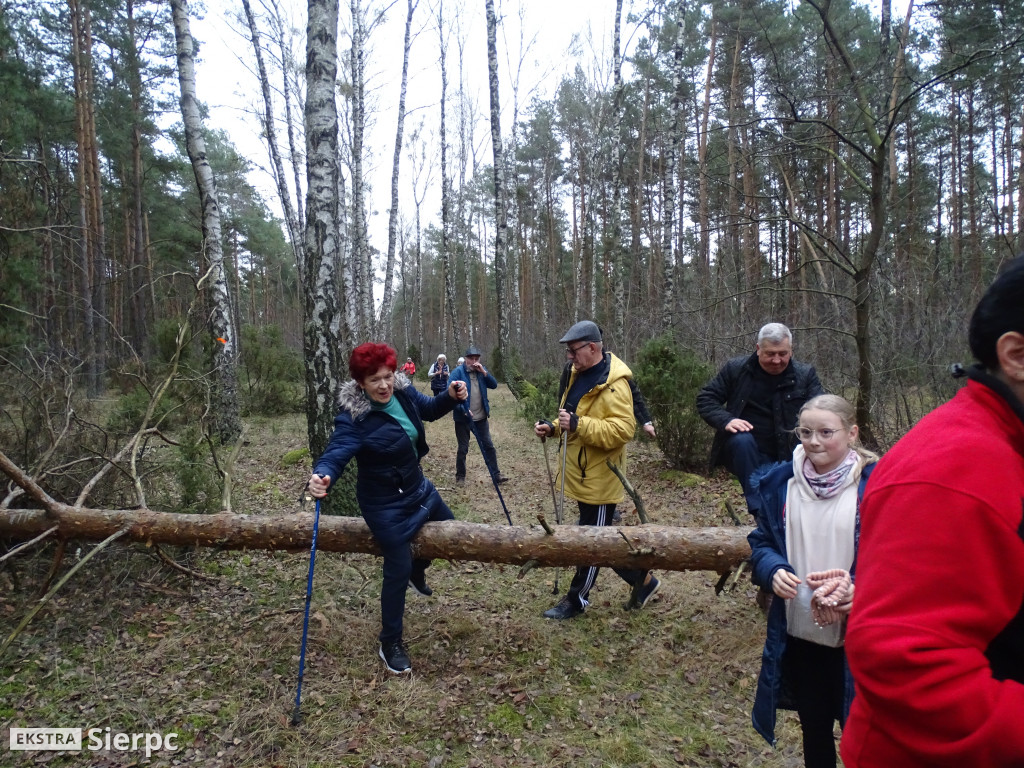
{"type": "Point", "coordinates": [584, 330]}
{"type": "Point", "coordinates": [473, 350]}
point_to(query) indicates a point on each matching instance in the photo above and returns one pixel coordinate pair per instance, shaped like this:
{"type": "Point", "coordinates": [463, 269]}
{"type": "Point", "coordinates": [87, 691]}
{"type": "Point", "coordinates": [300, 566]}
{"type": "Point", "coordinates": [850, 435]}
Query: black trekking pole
{"type": "Point", "coordinates": [305, 621]}
{"type": "Point", "coordinates": [554, 501]}
{"type": "Point", "coordinates": [492, 466]}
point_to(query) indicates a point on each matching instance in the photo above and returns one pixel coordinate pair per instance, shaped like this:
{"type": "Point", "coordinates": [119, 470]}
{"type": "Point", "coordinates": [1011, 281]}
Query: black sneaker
{"type": "Point", "coordinates": [419, 584]}
{"type": "Point", "coordinates": [460, 481]}
{"type": "Point", "coordinates": [502, 478]}
{"type": "Point", "coordinates": [565, 609]}
{"type": "Point", "coordinates": [395, 658]}
{"type": "Point", "coordinates": [646, 593]}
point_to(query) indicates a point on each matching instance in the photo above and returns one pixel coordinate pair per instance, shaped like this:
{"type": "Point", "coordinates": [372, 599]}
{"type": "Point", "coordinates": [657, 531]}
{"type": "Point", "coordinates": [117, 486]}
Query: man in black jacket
{"type": "Point", "coordinates": [753, 403]}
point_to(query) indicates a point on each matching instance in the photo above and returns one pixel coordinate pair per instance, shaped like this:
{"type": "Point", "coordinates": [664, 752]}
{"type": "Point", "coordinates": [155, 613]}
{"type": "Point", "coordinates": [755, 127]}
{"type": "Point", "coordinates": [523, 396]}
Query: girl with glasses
{"type": "Point", "coordinates": [803, 551]}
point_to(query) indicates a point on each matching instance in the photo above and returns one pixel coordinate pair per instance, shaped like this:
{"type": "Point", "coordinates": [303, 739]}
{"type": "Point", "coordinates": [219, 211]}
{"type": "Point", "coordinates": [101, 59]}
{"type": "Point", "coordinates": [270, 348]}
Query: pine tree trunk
{"type": "Point", "coordinates": [224, 397]}
{"type": "Point", "coordinates": [89, 194]}
{"type": "Point", "coordinates": [643, 546]}
{"type": "Point", "coordinates": [675, 145]}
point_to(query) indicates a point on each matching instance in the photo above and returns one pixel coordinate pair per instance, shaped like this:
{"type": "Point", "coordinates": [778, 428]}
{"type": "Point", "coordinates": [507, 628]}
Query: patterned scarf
{"type": "Point", "coordinates": [828, 485]}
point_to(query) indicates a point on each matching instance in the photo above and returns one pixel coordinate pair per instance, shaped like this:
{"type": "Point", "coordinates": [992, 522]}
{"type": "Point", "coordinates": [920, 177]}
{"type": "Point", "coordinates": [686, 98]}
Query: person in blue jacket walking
{"type": "Point", "coordinates": [804, 551]}
{"type": "Point", "coordinates": [380, 424]}
{"type": "Point", "coordinates": [477, 380]}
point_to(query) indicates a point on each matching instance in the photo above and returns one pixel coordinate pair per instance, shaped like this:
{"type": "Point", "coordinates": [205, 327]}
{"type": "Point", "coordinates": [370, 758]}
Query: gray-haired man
{"type": "Point", "coordinates": [753, 404]}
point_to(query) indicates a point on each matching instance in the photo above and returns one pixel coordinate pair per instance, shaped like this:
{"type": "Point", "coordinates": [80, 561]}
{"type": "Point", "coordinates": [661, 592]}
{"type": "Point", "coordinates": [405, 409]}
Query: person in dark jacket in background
{"type": "Point", "coordinates": [380, 424]}
{"type": "Point", "coordinates": [438, 375]}
{"type": "Point", "coordinates": [753, 404]}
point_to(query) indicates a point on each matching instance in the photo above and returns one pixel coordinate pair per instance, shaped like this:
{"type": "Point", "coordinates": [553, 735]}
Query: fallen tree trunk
{"type": "Point", "coordinates": [643, 546]}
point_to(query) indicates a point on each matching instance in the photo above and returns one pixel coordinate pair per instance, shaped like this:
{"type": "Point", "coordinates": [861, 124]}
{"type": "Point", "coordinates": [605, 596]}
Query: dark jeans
{"type": "Point", "coordinates": [743, 457]}
{"type": "Point", "coordinates": [462, 434]}
{"type": "Point", "coordinates": [818, 683]}
{"type": "Point", "coordinates": [585, 576]}
{"type": "Point", "coordinates": [399, 567]}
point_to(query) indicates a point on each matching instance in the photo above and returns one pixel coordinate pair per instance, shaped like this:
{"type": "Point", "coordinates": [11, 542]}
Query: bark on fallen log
{"type": "Point", "coordinates": [643, 546]}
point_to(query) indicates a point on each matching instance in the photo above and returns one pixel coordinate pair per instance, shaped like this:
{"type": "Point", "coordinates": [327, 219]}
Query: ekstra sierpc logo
{"type": "Point", "coordinates": [70, 740]}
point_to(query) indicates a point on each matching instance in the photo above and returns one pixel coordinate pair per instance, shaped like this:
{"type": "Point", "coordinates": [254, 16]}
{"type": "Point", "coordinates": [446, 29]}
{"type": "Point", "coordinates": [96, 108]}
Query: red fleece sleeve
{"type": "Point", "coordinates": [940, 574]}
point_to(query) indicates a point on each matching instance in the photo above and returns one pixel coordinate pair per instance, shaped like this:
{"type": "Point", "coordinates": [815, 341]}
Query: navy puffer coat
{"type": "Point", "coordinates": [393, 494]}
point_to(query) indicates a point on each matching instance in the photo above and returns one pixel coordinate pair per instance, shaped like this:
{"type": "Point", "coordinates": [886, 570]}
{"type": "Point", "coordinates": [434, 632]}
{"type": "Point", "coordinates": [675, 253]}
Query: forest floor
{"type": "Point", "coordinates": [131, 645]}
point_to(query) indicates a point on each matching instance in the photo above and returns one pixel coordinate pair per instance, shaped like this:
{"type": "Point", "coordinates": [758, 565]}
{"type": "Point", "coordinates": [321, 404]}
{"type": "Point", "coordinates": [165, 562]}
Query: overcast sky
{"type": "Point", "coordinates": [557, 34]}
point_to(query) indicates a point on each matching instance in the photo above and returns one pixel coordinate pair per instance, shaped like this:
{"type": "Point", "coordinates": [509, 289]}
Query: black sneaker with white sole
{"type": "Point", "coordinates": [645, 593]}
{"type": "Point", "coordinates": [395, 657]}
{"type": "Point", "coordinates": [566, 608]}
{"type": "Point", "coordinates": [419, 585]}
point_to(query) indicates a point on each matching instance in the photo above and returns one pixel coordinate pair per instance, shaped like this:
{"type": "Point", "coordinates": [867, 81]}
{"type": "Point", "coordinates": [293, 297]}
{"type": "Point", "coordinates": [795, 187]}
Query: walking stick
{"type": "Point", "coordinates": [305, 621]}
{"type": "Point", "coordinates": [492, 466]}
{"type": "Point", "coordinates": [564, 440]}
{"type": "Point", "coordinates": [554, 501]}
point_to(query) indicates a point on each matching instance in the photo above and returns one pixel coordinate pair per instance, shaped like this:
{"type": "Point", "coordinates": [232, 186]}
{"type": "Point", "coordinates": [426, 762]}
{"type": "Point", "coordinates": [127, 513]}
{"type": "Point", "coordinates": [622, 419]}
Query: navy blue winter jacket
{"type": "Point", "coordinates": [393, 494]}
{"type": "Point", "coordinates": [460, 374]}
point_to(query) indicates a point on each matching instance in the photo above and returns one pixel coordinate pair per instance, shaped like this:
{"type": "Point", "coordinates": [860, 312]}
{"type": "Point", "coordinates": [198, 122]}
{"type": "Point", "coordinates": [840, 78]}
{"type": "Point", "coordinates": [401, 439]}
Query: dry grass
{"type": "Point", "coordinates": [135, 646]}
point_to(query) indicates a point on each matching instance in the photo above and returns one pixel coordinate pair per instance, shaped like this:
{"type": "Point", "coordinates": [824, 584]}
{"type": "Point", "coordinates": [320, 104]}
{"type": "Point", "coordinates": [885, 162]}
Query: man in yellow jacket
{"type": "Point", "coordinates": [596, 415]}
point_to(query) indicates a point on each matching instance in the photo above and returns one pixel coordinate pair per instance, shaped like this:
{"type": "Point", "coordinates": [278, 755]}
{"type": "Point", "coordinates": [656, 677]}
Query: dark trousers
{"type": "Point", "coordinates": [818, 683]}
{"type": "Point", "coordinates": [585, 576]}
{"type": "Point", "coordinates": [743, 457]}
{"type": "Point", "coordinates": [462, 434]}
{"type": "Point", "coordinates": [399, 567]}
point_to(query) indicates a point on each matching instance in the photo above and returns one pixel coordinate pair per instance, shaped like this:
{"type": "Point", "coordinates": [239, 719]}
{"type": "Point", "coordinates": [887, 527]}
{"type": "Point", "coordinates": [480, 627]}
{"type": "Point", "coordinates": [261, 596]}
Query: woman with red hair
{"type": "Point", "coordinates": [380, 424]}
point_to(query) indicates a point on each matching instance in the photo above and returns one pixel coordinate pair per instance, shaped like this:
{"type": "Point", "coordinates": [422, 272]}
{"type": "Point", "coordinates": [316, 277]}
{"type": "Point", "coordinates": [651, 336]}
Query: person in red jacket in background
{"type": "Point", "coordinates": [936, 637]}
{"type": "Point", "coordinates": [409, 367]}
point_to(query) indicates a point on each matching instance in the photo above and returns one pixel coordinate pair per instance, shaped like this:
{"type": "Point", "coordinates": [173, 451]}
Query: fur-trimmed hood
{"type": "Point", "coordinates": [354, 401]}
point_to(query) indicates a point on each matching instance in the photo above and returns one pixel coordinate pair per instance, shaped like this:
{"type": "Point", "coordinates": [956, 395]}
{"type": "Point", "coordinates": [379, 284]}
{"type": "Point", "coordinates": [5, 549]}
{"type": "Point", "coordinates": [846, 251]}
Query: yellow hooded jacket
{"type": "Point", "coordinates": [605, 426]}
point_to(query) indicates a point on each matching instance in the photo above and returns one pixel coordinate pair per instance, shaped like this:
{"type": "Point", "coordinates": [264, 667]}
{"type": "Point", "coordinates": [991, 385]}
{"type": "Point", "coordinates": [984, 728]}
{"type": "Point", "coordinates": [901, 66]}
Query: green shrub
{"type": "Point", "coordinates": [198, 483]}
{"type": "Point", "coordinates": [539, 399]}
{"type": "Point", "coordinates": [271, 375]}
{"type": "Point", "coordinates": [128, 411]}
{"type": "Point", "coordinates": [670, 378]}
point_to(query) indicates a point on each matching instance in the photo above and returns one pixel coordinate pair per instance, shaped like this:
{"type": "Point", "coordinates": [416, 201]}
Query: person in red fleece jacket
{"type": "Point", "coordinates": [936, 637]}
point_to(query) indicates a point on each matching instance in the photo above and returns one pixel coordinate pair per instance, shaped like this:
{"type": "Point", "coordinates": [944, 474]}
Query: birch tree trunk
{"type": "Point", "coordinates": [283, 40]}
{"type": "Point", "coordinates": [383, 324]}
{"type": "Point", "coordinates": [500, 214]}
{"type": "Point", "coordinates": [324, 335]}
{"type": "Point", "coordinates": [617, 256]}
{"type": "Point", "coordinates": [447, 263]}
{"type": "Point", "coordinates": [227, 422]}
{"type": "Point", "coordinates": [703, 214]}
{"type": "Point", "coordinates": [291, 221]}
{"type": "Point", "coordinates": [361, 270]}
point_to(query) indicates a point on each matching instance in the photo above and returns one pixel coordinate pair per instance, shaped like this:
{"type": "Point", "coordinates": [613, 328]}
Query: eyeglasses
{"type": "Point", "coordinates": [572, 352]}
{"type": "Point", "coordinates": [825, 434]}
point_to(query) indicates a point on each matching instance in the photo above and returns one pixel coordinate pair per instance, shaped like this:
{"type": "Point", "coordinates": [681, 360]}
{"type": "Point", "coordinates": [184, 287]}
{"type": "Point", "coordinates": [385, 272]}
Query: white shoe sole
{"type": "Point", "coordinates": [391, 669]}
